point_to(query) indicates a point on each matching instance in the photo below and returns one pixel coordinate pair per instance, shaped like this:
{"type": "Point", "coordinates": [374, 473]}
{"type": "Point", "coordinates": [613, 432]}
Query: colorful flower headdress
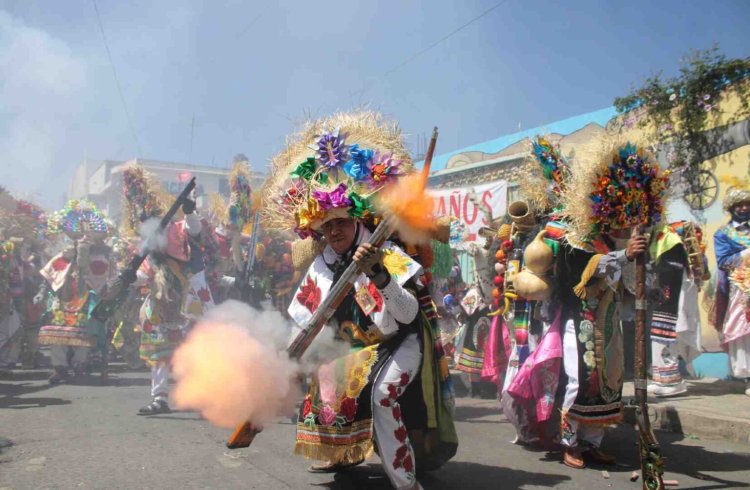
{"type": "Point", "coordinates": [239, 211]}
{"type": "Point", "coordinates": [78, 218]}
{"type": "Point", "coordinates": [625, 188]}
{"type": "Point", "coordinates": [142, 199]}
{"type": "Point", "coordinates": [545, 176]}
{"type": "Point", "coordinates": [333, 167]}
{"type": "Point", "coordinates": [20, 218]}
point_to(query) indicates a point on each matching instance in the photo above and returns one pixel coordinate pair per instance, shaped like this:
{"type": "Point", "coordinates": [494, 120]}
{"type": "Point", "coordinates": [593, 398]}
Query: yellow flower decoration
{"type": "Point", "coordinates": [308, 214]}
{"type": "Point", "coordinates": [397, 264]}
{"type": "Point", "coordinates": [358, 370]}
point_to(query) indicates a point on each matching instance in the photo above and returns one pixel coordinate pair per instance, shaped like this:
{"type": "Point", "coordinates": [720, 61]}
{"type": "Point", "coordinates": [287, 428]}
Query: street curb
{"type": "Point", "coordinates": [690, 422]}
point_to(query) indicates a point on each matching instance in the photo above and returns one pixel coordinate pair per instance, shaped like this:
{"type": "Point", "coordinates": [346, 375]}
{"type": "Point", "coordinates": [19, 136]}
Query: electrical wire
{"type": "Point", "coordinates": [434, 44]}
{"type": "Point", "coordinates": [117, 80]}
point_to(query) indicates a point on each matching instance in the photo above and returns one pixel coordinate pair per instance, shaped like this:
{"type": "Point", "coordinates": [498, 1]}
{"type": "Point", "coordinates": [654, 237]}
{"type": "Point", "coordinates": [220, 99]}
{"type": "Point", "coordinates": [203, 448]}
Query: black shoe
{"type": "Point", "coordinates": [58, 375]}
{"type": "Point", "coordinates": [154, 408]}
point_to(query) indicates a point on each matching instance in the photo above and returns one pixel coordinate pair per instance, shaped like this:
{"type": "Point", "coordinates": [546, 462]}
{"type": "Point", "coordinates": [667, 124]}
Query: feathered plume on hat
{"type": "Point", "coordinates": [333, 167]}
{"type": "Point", "coordinates": [734, 196]}
{"type": "Point", "coordinates": [78, 218]}
{"type": "Point", "coordinates": [239, 212]}
{"type": "Point", "coordinates": [617, 187]}
{"type": "Point", "coordinates": [546, 171]}
{"type": "Point", "coordinates": [143, 199]}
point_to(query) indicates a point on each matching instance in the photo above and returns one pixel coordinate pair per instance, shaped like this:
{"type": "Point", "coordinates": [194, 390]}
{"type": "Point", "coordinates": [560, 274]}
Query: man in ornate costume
{"type": "Point", "coordinates": [174, 275]}
{"type": "Point", "coordinates": [596, 273]}
{"type": "Point", "coordinates": [385, 394]}
{"type": "Point", "coordinates": [74, 281]}
{"type": "Point", "coordinates": [732, 248]}
{"type": "Point", "coordinates": [21, 233]}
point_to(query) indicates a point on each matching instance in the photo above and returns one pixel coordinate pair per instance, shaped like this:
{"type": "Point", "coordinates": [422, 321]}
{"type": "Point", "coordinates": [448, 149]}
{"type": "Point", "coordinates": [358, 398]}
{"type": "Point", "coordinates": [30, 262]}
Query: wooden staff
{"type": "Point", "coordinates": [649, 450]}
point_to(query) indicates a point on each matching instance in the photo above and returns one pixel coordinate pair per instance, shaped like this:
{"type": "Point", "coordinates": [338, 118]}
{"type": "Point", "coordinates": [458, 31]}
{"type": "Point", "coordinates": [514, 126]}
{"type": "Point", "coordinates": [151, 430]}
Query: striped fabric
{"type": "Point", "coordinates": [664, 326]}
{"type": "Point", "coordinates": [470, 361]}
{"type": "Point", "coordinates": [63, 335]}
{"type": "Point", "coordinates": [669, 375]}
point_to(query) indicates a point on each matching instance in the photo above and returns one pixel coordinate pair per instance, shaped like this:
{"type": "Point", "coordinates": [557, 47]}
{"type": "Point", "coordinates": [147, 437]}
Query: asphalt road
{"type": "Point", "coordinates": [88, 436]}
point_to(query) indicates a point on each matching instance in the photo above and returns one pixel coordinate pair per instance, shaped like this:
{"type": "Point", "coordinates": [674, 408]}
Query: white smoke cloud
{"type": "Point", "coordinates": [41, 80]}
{"type": "Point", "coordinates": [233, 366]}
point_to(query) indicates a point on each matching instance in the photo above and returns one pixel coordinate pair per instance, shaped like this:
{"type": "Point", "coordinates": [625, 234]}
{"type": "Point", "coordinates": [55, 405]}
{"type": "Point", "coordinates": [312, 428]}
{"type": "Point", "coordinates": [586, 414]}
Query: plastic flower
{"type": "Point", "coordinates": [332, 150]}
{"type": "Point", "coordinates": [383, 168]}
{"type": "Point", "coordinates": [361, 206]}
{"type": "Point", "coordinates": [337, 198]}
{"type": "Point", "coordinates": [356, 167]}
{"type": "Point", "coordinates": [305, 170]}
{"type": "Point", "coordinates": [308, 213]}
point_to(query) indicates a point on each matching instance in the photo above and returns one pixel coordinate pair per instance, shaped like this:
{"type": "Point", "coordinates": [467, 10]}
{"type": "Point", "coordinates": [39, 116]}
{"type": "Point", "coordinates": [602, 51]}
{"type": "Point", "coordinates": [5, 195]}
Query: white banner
{"type": "Point", "coordinates": [458, 203]}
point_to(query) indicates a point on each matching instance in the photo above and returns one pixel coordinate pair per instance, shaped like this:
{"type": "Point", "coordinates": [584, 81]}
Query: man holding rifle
{"type": "Point", "coordinates": [385, 394]}
{"type": "Point", "coordinates": [167, 273]}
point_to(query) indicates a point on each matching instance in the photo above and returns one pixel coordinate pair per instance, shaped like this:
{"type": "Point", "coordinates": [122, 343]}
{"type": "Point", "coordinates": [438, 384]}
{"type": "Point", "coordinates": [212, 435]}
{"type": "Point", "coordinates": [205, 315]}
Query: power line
{"type": "Point", "coordinates": [117, 80]}
{"type": "Point", "coordinates": [434, 44]}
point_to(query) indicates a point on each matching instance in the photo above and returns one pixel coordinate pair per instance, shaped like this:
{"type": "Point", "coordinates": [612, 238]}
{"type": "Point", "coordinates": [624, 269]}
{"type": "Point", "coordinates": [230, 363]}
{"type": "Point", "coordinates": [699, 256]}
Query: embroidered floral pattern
{"type": "Point", "coordinates": [327, 416]}
{"type": "Point", "coordinates": [310, 295]}
{"type": "Point", "coordinates": [397, 264]}
{"type": "Point", "coordinates": [403, 458]}
{"type": "Point", "coordinates": [348, 408]}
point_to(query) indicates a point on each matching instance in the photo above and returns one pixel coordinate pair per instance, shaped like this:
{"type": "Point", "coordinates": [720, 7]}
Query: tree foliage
{"type": "Point", "coordinates": [681, 109]}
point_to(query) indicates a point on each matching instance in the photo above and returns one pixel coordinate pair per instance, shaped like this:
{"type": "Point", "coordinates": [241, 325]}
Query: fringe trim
{"type": "Point", "coordinates": [66, 341]}
{"type": "Point", "coordinates": [588, 273]}
{"type": "Point", "coordinates": [349, 454]}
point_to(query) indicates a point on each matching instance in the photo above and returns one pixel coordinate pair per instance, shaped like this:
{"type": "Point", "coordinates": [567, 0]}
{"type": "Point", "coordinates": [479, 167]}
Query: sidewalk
{"type": "Point", "coordinates": [711, 409]}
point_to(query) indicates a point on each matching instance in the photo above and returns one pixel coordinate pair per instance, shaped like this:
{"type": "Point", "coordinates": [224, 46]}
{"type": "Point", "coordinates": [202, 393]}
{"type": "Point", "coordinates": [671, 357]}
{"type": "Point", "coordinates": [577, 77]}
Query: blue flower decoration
{"type": "Point", "coordinates": [357, 167]}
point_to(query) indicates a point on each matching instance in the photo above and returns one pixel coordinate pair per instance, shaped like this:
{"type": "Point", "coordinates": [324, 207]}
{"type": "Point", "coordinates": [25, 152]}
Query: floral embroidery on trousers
{"type": "Point", "coordinates": [390, 432]}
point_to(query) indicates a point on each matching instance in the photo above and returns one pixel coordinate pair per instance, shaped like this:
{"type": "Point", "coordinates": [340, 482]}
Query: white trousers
{"type": "Point", "coordinates": [391, 436]}
{"type": "Point", "coordinates": [11, 336]}
{"type": "Point", "coordinates": [59, 355]}
{"type": "Point", "coordinates": [160, 381]}
{"type": "Point", "coordinates": [590, 435]}
{"type": "Point", "coordinates": [739, 356]}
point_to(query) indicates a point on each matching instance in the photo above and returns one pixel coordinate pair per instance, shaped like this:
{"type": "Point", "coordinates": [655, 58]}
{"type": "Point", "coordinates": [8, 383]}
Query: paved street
{"type": "Point", "coordinates": [89, 437]}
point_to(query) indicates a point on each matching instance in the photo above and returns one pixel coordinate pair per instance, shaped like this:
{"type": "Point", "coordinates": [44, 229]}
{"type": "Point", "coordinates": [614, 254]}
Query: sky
{"type": "Point", "coordinates": [244, 74]}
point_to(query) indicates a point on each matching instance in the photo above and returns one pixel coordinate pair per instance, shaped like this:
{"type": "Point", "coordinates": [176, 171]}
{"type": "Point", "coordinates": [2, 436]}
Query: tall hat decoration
{"type": "Point", "coordinates": [240, 209]}
{"type": "Point", "coordinates": [142, 199]}
{"type": "Point", "coordinates": [333, 167]}
{"type": "Point", "coordinates": [623, 187]}
{"type": "Point", "coordinates": [78, 218]}
{"type": "Point", "coordinates": [546, 171]}
{"type": "Point", "coordinates": [20, 218]}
